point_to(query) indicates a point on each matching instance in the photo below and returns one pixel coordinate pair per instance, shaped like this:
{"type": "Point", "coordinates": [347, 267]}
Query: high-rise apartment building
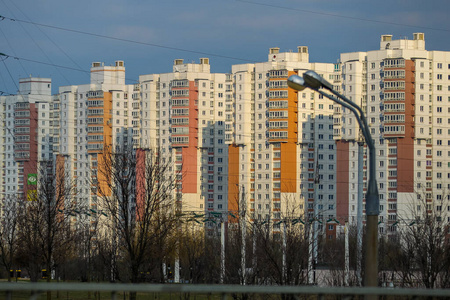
{"type": "Point", "coordinates": [27, 137]}
{"type": "Point", "coordinates": [183, 117]}
{"type": "Point", "coordinates": [282, 160]}
{"type": "Point", "coordinates": [92, 118]}
{"type": "Point", "coordinates": [404, 91]}
{"type": "Point", "coordinates": [246, 137]}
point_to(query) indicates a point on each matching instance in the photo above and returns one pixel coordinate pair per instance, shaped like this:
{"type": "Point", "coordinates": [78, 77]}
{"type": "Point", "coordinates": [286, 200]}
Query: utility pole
{"type": "Point", "coordinates": [222, 250]}
{"type": "Point", "coordinates": [347, 257]}
{"type": "Point", "coordinates": [254, 261]}
{"type": "Point", "coordinates": [283, 269]}
{"type": "Point", "coordinates": [313, 230]}
{"type": "Point", "coordinates": [359, 212]}
{"type": "Point", "coordinates": [243, 233]}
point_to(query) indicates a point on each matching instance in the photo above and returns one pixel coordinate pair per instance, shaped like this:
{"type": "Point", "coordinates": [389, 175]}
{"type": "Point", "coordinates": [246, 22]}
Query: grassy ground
{"type": "Point", "coordinates": [104, 296]}
{"type": "Point", "coordinates": [22, 295]}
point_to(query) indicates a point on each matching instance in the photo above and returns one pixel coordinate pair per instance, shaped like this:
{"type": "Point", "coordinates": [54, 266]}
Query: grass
{"type": "Point", "coordinates": [106, 295]}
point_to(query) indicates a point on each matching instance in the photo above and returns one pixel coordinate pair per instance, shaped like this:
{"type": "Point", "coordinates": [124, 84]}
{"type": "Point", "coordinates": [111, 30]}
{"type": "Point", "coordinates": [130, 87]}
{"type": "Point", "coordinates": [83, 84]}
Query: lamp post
{"type": "Point", "coordinates": [315, 82]}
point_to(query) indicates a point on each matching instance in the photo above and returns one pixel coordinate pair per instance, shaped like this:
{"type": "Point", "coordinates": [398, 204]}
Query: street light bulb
{"type": "Point", "coordinates": [315, 81]}
{"type": "Point", "coordinates": [296, 82]}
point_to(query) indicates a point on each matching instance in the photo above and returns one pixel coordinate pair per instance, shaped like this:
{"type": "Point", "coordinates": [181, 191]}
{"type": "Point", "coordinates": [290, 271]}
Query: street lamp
{"type": "Point", "coordinates": [315, 82]}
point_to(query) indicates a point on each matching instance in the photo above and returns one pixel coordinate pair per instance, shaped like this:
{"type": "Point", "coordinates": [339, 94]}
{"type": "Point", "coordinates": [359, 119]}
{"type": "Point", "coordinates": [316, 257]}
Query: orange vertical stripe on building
{"type": "Point", "coordinates": [342, 180]}
{"type": "Point", "coordinates": [140, 182]}
{"type": "Point", "coordinates": [405, 146]}
{"type": "Point", "coordinates": [233, 178]}
{"type": "Point", "coordinates": [189, 168]}
{"type": "Point", "coordinates": [104, 156]}
{"type": "Point", "coordinates": [289, 150]}
{"type": "Point", "coordinates": [288, 167]}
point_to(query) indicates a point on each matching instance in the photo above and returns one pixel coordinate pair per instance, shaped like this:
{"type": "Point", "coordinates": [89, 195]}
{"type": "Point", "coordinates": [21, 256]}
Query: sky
{"type": "Point", "coordinates": [60, 39]}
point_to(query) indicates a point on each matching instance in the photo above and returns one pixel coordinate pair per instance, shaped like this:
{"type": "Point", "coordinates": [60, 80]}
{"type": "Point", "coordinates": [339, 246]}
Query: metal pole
{"type": "Point", "coordinates": [310, 255]}
{"type": "Point", "coordinates": [254, 262]}
{"type": "Point", "coordinates": [315, 225]}
{"type": "Point", "coordinates": [177, 265]}
{"type": "Point", "coordinates": [347, 257]}
{"type": "Point", "coordinates": [243, 235]}
{"type": "Point", "coordinates": [359, 215]}
{"type": "Point", "coordinates": [222, 251]}
{"type": "Point", "coordinates": [316, 82]}
{"type": "Point", "coordinates": [283, 269]}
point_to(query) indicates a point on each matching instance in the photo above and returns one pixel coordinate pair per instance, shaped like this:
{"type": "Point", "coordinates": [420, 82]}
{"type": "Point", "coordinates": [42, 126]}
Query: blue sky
{"type": "Point", "coordinates": [233, 31]}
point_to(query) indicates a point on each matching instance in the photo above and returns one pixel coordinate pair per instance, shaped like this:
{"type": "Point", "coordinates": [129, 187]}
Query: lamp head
{"type": "Point", "coordinates": [315, 81]}
{"type": "Point", "coordinates": [296, 82]}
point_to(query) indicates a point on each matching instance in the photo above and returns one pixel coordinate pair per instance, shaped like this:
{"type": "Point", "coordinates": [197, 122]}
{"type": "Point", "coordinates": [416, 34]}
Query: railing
{"type": "Point", "coordinates": [222, 291]}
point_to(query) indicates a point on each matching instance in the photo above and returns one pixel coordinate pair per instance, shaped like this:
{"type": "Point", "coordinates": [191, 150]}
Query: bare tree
{"type": "Point", "coordinates": [8, 233]}
{"type": "Point", "coordinates": [196, 257]}
{"type": "Point", "coordinates": [279, 247]}
{"type": "Point", "coordinates": [136, 190]}
{"type": "Point", "coordinates": [45, 225]}
{"type": "Point", "coordinates": [421, 246]}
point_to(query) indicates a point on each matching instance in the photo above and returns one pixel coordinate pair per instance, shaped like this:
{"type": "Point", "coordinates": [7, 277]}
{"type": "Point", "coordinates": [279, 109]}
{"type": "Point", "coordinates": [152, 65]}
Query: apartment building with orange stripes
{"type": "Point", "coordinates": [405, 92]}
{"type": "Point", "coordinates": [183, 116]}
{"type": "Point", "coordinates": [94, 119]}
{"type": "Point", "coordinates": [245, 137]}
{"type": "Point", "coordinates": [281, 152]}
{"type": "Point", "coordinates": [27, 137]}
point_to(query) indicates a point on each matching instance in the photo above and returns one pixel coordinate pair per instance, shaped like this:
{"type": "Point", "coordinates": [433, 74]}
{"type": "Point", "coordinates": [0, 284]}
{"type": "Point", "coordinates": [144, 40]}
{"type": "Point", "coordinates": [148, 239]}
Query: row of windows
{"type": "Point", "coordinates": [95, 112]}
{"type": "Point", "coordinates": [180, 93]}
{"type": "Point", "coordinates": [394, 85]}
{"type": "Point", "coordinates": [22, 130]}
{"type": "Point", "coordinates": [394, 118]}
{"type": "Point", "coordinates": [95, 120]}
{"type": "Point", "coordinates": [278, 135]}
{"type": "Point", "coordinates": [394, 107]}
{"type": "Point", "coordinates": [21, 122]}
{"type": "Point", "coordinates": [180, 140]}
{"type": "Point", "coordinates": [180, 102]}
{"type": "Point", "coordinates": [95, 129]}
{"type": "Point", "coordinates": [278, 94]}
{"type": "Point", "coordinates": [278, 124]}
{"type": "Point", "coordinates": [278, 114]}
{"type": "Point", "coordinates": [394, 74]}
{"type": "Point", "coordinates": [95, 138]}
{"type": "Point", "coordinates": [180, 83]}
{"type": "Point", "coordinates": [180, 111]}
{"type": "Point", "coordinates": [278, 73]}
{"type": "Point", "coordinates": [278, 84]}
{"type": "Point", "coordinates": [95, 103]}
{"type": "Point", "coordinates": [95, 146]}
{"type": "Point", "coordinates": [22, 114]}
{"type": "Point", "coordinates": [180, 130]}
{"type": "Point", "coordinates": [278, 104]}
{"type": "Point", "coordinates": [180, 121]}
{"type": "Point", "coordinates": [394, 63]}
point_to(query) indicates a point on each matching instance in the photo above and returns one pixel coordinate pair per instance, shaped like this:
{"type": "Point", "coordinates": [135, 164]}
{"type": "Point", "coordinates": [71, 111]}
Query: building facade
{"type": "Point", "coordinates": [93, 120]}
{"type": "Point", "coordinates": [282, 158]}
{"type": "Point", "coordinates": [404, 91]}
{"type": "Point", "coordinates": [245, 137]}
{"type": "Point", "coordinates": [27, 137]}
{"type": "Point", "coordinates": [183, 117]}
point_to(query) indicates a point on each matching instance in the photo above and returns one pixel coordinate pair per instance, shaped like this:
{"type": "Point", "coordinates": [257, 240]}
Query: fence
{"type": "Point", "coordinates": [220, 291]}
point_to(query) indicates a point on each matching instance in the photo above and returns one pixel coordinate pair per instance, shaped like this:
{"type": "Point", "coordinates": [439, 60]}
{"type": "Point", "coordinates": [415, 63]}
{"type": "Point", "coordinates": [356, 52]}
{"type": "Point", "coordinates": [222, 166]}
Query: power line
{"type": "Point", "coordinates": [55, 65]}
{"type": "Point", "coordinates": [39, 47]}
{"type": "Point", "coordinates": [56, 45]}
{"type": "Point", "coordinates": [340, 16]}
{"type": "Point", "coordinates": [126, 40]}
